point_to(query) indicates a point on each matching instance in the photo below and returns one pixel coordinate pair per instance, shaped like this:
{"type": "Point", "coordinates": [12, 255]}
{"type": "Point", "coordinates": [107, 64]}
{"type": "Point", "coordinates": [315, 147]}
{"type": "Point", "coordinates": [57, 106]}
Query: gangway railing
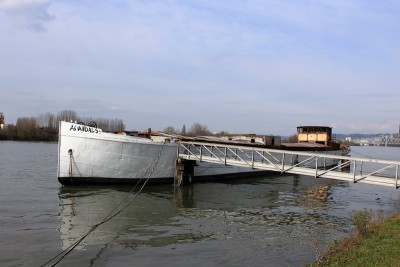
{"type": "Point", "coordinates": [316, 164]}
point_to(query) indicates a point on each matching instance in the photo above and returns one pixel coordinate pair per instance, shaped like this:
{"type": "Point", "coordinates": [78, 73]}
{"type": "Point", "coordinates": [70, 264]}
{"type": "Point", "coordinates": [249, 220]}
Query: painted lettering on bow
{"type": "Point", "coordinates": [83, 128]}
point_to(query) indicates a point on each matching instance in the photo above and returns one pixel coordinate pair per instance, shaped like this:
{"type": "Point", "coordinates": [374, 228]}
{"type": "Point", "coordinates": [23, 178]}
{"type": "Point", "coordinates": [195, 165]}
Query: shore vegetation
{"type": "Point", "coordinates": [374, 242]}
{"type": "Point", "coordinates": [45, 126]}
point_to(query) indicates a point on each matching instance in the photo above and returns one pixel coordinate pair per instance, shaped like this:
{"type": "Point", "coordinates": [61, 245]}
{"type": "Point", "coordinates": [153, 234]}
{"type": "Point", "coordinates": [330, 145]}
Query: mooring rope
{"type": "Point", "coordinates": [111, 214]}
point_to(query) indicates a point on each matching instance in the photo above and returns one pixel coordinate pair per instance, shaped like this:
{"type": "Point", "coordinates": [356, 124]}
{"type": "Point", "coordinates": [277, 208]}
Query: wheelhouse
{"type": "Point", "coordinates": [314, 134]}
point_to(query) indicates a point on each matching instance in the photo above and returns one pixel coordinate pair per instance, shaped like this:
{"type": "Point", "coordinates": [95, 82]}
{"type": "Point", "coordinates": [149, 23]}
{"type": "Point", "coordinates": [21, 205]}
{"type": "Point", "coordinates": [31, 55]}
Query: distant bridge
{"type": "Point", "coordinates": [380, 141]}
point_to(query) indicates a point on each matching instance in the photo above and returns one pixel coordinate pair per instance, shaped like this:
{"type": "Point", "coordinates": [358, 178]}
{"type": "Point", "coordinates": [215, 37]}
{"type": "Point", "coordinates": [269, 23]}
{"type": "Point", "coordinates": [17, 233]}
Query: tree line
{"type": "Point", "coordinates": [44, 127]}
{"type": "Point", "coordinates": [198, 129]}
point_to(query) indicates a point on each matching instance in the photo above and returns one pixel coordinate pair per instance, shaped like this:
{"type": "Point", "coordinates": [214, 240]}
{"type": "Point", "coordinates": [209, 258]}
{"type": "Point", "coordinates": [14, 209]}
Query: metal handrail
{"type": "Point", "coordinates": [234, 156]}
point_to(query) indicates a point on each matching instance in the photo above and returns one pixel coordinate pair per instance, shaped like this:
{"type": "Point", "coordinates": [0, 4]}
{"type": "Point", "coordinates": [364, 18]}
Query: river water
{"type": "Point", "coordinates": [255, 221]}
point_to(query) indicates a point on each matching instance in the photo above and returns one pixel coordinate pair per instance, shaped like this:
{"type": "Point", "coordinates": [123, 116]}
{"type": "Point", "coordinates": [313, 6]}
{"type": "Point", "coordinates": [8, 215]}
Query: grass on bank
{"type": "Point", "coordinates": [376, 242]}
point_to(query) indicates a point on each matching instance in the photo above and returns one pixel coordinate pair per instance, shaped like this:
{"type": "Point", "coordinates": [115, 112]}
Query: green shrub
{"type": "Point", "coordinates": [361, 220]}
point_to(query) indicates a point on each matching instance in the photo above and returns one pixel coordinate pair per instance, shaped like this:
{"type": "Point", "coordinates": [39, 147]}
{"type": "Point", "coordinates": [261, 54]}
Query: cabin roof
{"type": "Point", "coordinates": [316, 126]}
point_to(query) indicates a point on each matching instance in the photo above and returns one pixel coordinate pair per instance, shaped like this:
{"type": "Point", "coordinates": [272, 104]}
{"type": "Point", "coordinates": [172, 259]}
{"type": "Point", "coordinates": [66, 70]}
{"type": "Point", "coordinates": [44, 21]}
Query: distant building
{"type": "Point", "coordinates": [1, 121]}
{"type": "Point", "coordinates": [348, 138]}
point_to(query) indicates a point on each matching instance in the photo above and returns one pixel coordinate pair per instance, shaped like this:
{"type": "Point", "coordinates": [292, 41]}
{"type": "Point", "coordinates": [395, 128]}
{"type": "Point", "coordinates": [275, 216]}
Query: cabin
{"type": "Point", "coordinates": [314, 134]}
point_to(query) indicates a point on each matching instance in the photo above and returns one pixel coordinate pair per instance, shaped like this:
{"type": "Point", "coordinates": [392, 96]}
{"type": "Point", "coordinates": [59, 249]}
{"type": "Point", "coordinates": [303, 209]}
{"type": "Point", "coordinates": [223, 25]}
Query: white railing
{"type": "Point", "coordinates": [317, 164]}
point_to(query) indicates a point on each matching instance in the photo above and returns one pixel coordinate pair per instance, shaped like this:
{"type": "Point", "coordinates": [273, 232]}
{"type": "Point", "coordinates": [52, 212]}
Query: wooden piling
{"type": "Point", "coordinates": [184, 172]}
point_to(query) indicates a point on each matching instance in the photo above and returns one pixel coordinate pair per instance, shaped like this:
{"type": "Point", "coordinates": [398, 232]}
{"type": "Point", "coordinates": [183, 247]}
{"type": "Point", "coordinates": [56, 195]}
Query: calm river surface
{"type": "Point", "coordinates": [247, 222]}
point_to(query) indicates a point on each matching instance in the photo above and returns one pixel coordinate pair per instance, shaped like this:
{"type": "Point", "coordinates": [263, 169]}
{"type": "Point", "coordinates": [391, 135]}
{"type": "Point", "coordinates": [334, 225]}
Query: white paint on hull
{"type": "Point", "coordinates": [107, 155]}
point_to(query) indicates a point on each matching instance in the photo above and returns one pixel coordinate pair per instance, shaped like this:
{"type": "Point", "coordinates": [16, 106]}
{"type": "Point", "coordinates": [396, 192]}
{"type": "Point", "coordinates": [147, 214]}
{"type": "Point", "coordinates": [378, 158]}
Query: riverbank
{"type": "Point", "coordinates": [376, 245]}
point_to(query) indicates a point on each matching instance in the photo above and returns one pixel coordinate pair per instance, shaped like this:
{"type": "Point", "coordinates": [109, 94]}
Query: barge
{"type": "Point", "coordinates": [87, 155]}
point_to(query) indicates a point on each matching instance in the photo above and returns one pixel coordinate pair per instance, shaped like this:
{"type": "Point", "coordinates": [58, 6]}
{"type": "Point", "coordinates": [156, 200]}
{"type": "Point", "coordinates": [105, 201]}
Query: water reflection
{"type": "Point", "coordinates": [234, 223]}
{"type": "Point", "coordinates": [83, 207]}
{"type": "Point", "coordinates": [261, 212]}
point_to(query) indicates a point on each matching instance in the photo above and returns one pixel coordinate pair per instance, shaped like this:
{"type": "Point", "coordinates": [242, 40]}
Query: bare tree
{"type": "Point", "coordinates": [67, 115]}
{"type": "Point", "coordinates": [110, 125]}
{"type": "Point", "coordinates": [26, 128]}
{"type": "Point", "coordinates": [292, 138]}
{"type": "Point", "coordinates": [52, 121]}
{"type": "Point", "coordinates": [45, 126]}
{"type": "Point", "coordinates": [47, 120]}
{"type": "Point", "coordinates": [170, 130]}
{"type": "Point", "coordinates": [107, 125]}
{"type": "Point", "coordinates": [198, 129]}
{"type": "Point", "coordinates": [43, 120]}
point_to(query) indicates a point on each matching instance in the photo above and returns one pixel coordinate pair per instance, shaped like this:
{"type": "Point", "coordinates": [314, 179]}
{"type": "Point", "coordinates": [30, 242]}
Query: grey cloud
{"type": "Point", "coordinates": [27, 14]}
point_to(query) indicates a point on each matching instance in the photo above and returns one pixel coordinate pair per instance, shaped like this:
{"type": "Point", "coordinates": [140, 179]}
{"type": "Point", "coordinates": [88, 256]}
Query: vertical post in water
{"type": "Point", "coordinates": [252, 159]}
{"type": "Point", "coordinates": [397, 175]}
{"type": "Point", "coordinates": [361, 166]}
{"type": "Point", "coordinates": [226, 154]}
{"type": "Point", "coordinates": [316, 167]}
{"type": "Point", "coordinates": [283, 163]}
{"type": "Point", "coordinates": [354, 171]}
{"type": "Point", "coordinates": [201, 152]}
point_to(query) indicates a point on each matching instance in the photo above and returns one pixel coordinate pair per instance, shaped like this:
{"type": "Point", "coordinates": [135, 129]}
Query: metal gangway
{"type": "Point", "coordinates": [316, 164]}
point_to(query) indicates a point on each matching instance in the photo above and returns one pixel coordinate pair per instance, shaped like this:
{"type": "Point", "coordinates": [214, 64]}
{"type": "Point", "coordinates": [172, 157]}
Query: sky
{"type": "Point", "coordinates": [248, 66]}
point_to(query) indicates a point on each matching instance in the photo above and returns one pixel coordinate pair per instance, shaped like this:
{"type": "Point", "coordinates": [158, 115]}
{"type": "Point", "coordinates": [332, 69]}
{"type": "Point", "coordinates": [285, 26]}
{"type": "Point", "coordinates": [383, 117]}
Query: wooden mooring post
{"type": "Point", "coordinates": [184, 172]}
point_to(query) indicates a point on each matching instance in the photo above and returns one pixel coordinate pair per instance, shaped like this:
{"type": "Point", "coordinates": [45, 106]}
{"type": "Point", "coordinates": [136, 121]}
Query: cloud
{"type": "Point", "coordinates": [262, 66]}
{"type": "Point", "coordinates": [27, 14]}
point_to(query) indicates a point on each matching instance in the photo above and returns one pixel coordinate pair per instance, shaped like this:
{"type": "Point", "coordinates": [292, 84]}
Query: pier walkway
{"type": "Point", "coordinates": [316, 164]}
